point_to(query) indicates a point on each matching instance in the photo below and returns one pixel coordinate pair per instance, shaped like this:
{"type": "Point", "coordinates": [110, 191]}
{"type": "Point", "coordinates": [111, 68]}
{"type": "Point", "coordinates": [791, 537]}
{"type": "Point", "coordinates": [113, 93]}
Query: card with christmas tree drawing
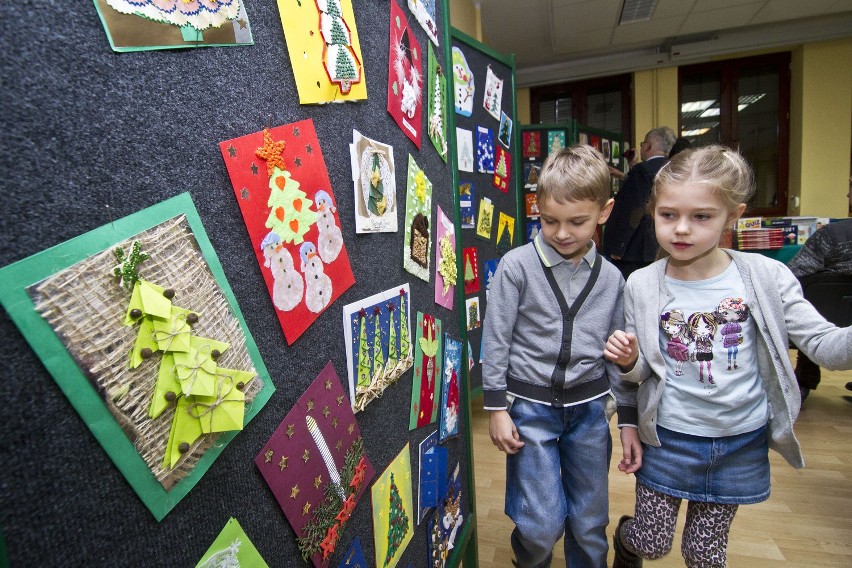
{"type": "Point", "coordinates": [531, 173]}
{"type": "Point", "coordinates": [466, 205]}
{"type": "Point", "coordinates": [532, 144]}
{"type": "Point", "coordinates": [484, 150]}
{"type": "Point", "coordinates": [146, 340]}
{"type": "Point", "coordinates": [502, 170]}
{"type": "Point", "coordinates": [445, 262]}
{"type": "Point", "coordinates": [232, 548]}
{"type": "Point", "coordinates": [316, 466]}
{"type": "Point", "coordinates": [374, 176]}
{"type": "Point", "coordinates": [378, 343]}
{"type": "Point", "coordinates": [474, 320]}
{"type": "Point", "coordinates": [555, 141]}
{"type": "Point", "coordinates": [324, 50]}
{"type": "Point", "coordinates": [405, 76]}
{"type": "Point", "coordinates": [445, 522]}
{"type": "Point", "coordinates": [132, 25]}
{"type": "Point", "coordinates": [489, 267]}
{"type": "Point", "coordinates": [464, 149]}
{"type": "Point", "coordinates": [417, 247]}
{"type": "Point", "coordinates": [282, 187]}
{"type": "Point", "coordinates": [485, 220]}
{"type": "Point", "coordinates": [354, 557]}
{"type": "Point", "coordinates": [424, 13]}
{"type": "Point", "coordinates": [492, 98]}
{"type": "Point", "coordinates": [450, 401]}
{"type": "Point", "coordinates": [505, 233]}
{"type": "Point", "coordinates": [393, 510]}
{"type": "Point", "coordinates": [471, 270]}
{"type": "Point", "coordinates": [504, 135]}
{"type": "Point", "coordinates": [427, 371]}
{"type": "Point", "coordinates": [464, 85]}
{"type": "Point", "coordinates": [437, 105]}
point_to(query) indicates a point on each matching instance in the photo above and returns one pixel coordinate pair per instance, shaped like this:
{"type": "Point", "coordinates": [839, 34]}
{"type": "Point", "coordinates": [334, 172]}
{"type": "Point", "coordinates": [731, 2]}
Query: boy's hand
{"type": "Point", "coordinates": [503, 433]}
{"type": "Point", "coordinates": [622, 349]}
{"type": "Point", "coordinates": [632, 447]}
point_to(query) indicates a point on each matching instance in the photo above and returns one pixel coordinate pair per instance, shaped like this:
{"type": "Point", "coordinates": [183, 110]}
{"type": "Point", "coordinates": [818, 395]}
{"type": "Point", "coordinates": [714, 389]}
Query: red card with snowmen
{"type": "Point", "coordinates": [282, 187]}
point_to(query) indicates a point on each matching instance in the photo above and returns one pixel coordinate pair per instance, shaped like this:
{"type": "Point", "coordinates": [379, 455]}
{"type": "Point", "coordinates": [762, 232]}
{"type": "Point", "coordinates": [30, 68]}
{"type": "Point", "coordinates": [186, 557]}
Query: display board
{"type": "Point", "coordinates": [100, 149]}
{"type": "Point", "coordinates": [486, 169]}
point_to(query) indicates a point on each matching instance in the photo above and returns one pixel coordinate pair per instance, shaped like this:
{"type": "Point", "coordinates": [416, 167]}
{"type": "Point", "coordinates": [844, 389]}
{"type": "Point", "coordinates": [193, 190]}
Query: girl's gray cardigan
{"type": "Point", "coordinates": [780, 314]}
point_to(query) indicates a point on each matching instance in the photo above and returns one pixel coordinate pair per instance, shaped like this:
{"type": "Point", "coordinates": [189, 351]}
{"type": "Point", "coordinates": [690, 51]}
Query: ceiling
{"type": "Point", "coordinates": [564, 40]}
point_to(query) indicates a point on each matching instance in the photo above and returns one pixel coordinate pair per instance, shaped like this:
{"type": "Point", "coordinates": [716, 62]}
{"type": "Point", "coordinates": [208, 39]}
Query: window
{"type": "Point", "coordinates": [744, 104]}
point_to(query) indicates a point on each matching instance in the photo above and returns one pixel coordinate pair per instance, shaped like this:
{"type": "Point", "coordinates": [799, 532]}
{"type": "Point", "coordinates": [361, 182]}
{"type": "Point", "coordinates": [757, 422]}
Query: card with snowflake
{"type": "Point", "coordinates": [450, 402]}
{"type": "Point", "coordinates": [282, 187]}
{"type": "Point", "coordinates": [141, 25]}
{"type": "Point", "coordinates": [427, 371]}
{"type": "Point", "coordinates": [492, 99]}
{"type": "Point", "coordinates": [374, 177]}
{"type": "Point", "coordinates": [424, 13]}
{"type": "Point", "coordinates": [417, 247]}
{"type": "Point", "coordinates": [555, 141]}
{"type": "Point", "coordinates": [324, 49]}
{"type": "Point", "coordinates": [147, 341]}
{"type": "Point", "coordinates": [393, 510]}
{"type": "Point", "coordinates": [532, 144]}
{"type": "Point", "coordinates": [232, 548]}
{"type": "Point", "coordinates": [484, 150]}
{"type": "Point", "coordinates": [378, 343]}
{"type": "Point", "coordinates": [437, 98]}
{"type": "Point", "coordinates": [316, 466]}
{"type": "Point", "coordinates": [405, 76]}
{"type": "Point", "coordinates": [445, 262]}
{"type": "Point", "coordinates": [464, 85]}
{"type": "Point", "coordinates": [502, 170]}
{"type": "Point", "coordinates": [464, 149]}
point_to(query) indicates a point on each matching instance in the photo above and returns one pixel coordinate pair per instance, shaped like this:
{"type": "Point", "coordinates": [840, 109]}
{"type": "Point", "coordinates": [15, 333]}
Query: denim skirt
{"type": "Point", "coordinates": [730, 469]}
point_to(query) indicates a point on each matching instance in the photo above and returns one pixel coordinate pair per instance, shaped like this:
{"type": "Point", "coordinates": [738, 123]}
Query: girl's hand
{"type": "Point", "coordinates": [503, 433]}
{"type": "Point", "coordinates": [632, 448]}
{"type": "Point", "coordinates": [622, 349]}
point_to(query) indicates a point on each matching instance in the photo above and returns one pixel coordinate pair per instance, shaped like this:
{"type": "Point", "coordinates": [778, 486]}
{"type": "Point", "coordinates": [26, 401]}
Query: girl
{"type": "Point", "coordinates": [710, 446]}
{"type": "Point", "coordinates": [674, 326]}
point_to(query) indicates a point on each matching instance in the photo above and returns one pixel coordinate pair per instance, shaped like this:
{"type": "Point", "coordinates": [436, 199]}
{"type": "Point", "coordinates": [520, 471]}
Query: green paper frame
{"type": "Point", "coordinates": [14, 280]}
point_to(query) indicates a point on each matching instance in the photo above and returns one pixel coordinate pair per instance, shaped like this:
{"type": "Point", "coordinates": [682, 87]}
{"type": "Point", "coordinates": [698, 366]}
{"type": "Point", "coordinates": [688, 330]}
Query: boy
{"type": "Point", "coordinates": [552, 305]}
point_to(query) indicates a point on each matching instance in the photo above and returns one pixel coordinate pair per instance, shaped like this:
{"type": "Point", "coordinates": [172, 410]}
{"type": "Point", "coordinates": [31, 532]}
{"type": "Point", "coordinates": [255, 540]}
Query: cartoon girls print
{"type": "Point", "coordinates": [732, 311]}
{"type": "Point", "coordinates": [702, 328]}
{"type": "Point", "coordinates": [674, 326]}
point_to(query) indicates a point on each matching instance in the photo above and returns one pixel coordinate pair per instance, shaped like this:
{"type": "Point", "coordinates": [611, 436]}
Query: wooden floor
{"type": "Point", "coordinates": [806, 522]}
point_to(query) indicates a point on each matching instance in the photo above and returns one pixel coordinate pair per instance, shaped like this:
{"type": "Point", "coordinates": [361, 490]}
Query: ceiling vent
{"type": "Point", "coordinates": [636, 11]}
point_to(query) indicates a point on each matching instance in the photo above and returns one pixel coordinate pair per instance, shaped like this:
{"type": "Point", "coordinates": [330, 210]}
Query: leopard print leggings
{"type": "Point", "coordinates": [705, 535]}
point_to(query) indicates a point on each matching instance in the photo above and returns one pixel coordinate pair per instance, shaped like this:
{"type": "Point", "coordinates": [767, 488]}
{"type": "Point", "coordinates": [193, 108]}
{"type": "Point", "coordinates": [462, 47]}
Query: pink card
{"type": "Point", "coordinates": [445, 264]}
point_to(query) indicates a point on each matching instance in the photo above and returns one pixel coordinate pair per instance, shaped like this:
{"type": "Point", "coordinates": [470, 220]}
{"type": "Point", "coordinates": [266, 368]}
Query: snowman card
{"type": "Point", "coordinates": [464, 86]}
{"type": "Point", "coordinates": [445, 262]}
{"type": "Point", "coordinates": [282, 187]}
{"type": "Point", "coordinates": [374, 176]}
{"type": "Point", "coordinates": [450, 401]}
{"type": "Point", "coordinates": [405, 76]}
{"type": "Point", "coordinates": [417, 248]}
{"type": "Point", "coordinates": [427, 371]}
{"type": "Point", "coordinates": [484, 150]}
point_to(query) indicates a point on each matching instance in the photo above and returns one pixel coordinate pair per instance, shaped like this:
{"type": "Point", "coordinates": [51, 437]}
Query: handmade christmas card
{"type": "Point", "coordinates": [531, 204]}
{"type": "Point", "coordinates": [484, 150]}
{"type": "Point", "coordinates": [605, 150]}
{"type": "Point", "coordinates": [555, 141]}
{"type": "Point", "coordinates": [316, 467]}
{"type": "Point", "coordinates": [505, 233]}
{"type": "Point", "coordinates": [432, 478]}
{"type": "Point", "coordinates": [485, 219]}
{"type": "Point", "coordinates": [405, 76]}
{"type": "Point", "coordinates": [583, 138]}
{"type": "Point", "coordinates": [616, 152]}
{"type": "Point", "coordinates": [282, 187]}
{"type": "Point", "coordinates": [141, 25]}
{"type": "Point", "coordinates": [533, 228]}
{"type": "Point", "coordinates": [232, 548]}
{"type": "Point", "coordinates": [324, 50]}
{"type": "Point", "coordinates": [139, 328]}
{"type": "Point", "coordinates": [393, 510]}
{"type": "Point", "coordinates": [531, 173]}
{"type": "Point", "coordinates": [450, 401]}
{"type": "Point", "coordinates": [464, 86]}
{"type": "Point", "coordinates": [464, 149]}
{"type": "Point", "coordinates": [595, 142]}
{"type": "Point", "coordinates": [472, 313]}
{"type": "Point", "coordinates": [493, 95]}
{"type": "Point", "coordinates": [466, 205]}
{"type": "Point", "coordinates": [417, 246]}
{"type": "Point", "coordinates": [502, 170]}
{"type": "Point", "coordinates": [437, 115]}
{"type": "Point", "coordinates": [354, 557]}
{"type": "Point", "coordinates": [531, 141]}
{"type": "Point", "coordinates": [445, 522]}
{"type": "Point", "coordinates": [424, 13]}
{"type": "Point", "coordinates": [470, 266]}
{"type": "Point", "coordinates": [445, 261]}
{"type": "Point", "coordinates": [374, 177]}
{"type": "Point", "coordinates": [378, 343]}
{"type": "Point", "coordinates": [504, 135]}
{"type": "Point", "coordinates": [427, 371]}
{"type": "Point", "coordinates": [489, 267]}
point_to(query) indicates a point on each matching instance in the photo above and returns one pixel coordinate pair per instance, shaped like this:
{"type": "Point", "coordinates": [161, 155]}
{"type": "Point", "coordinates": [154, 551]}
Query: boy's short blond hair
{"type": "Point", "coordinates": [575, 173]}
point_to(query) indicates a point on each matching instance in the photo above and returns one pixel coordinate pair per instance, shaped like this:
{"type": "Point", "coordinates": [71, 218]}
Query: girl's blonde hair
{"type": "Point", "coordinates": [722, 170]}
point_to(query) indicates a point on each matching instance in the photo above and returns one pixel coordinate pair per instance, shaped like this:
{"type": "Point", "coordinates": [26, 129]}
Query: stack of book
{"type": "Point", "coordinates": [757, 239]}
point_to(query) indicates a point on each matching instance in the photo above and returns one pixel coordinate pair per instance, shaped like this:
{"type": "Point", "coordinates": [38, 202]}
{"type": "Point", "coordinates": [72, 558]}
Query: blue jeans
{"type": "Point", "coordinates": [558, 482]}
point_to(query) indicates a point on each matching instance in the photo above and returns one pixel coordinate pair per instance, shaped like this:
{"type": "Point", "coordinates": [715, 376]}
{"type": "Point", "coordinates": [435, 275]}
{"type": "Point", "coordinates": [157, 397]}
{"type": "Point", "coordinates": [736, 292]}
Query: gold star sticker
{"type": "Point", "coordinates": [339, 399]}
{"type": "Point", "coordinates": [294, 491]}
{"type": "Point", "coordinates": [328, 384]}
{"type": "Point", "coordinates": [351, 427]}
{"type": "Point", "coordinates": [335, 422]}
{"type": "Point", "coordinates": [291, 429]}
{"type": "Point", "coordinates": [325, 411]}
{"type": "Point", "coordinates": [283, 463]}
{"type": "Point", "coordinates": [306, 456]}
{"type": "Point", "coordinates": [310, 404]}
{"type": "Point", "coordinates": [242, 23]}
{"type": "Point", "coordinates": [338, 445]}
{"type": "Point", "coordinates": [268, 456]}
{"type": "Point", "coordinates": [317, 481]}
{"type": "Point", "coordinates": [306, 509]}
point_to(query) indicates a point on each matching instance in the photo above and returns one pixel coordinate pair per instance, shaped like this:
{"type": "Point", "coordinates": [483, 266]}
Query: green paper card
{"type": "Point", "coordinates": [72, 285]}
{"type": "Point", "coordinates": [232, 548]}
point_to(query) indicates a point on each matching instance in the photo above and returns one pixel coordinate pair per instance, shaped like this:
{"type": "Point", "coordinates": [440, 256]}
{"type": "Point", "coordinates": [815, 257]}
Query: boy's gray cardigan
{"type": "Point", "coordinates": [533, 349]}
{"type": "Point", "coordinates": [780, 314]}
